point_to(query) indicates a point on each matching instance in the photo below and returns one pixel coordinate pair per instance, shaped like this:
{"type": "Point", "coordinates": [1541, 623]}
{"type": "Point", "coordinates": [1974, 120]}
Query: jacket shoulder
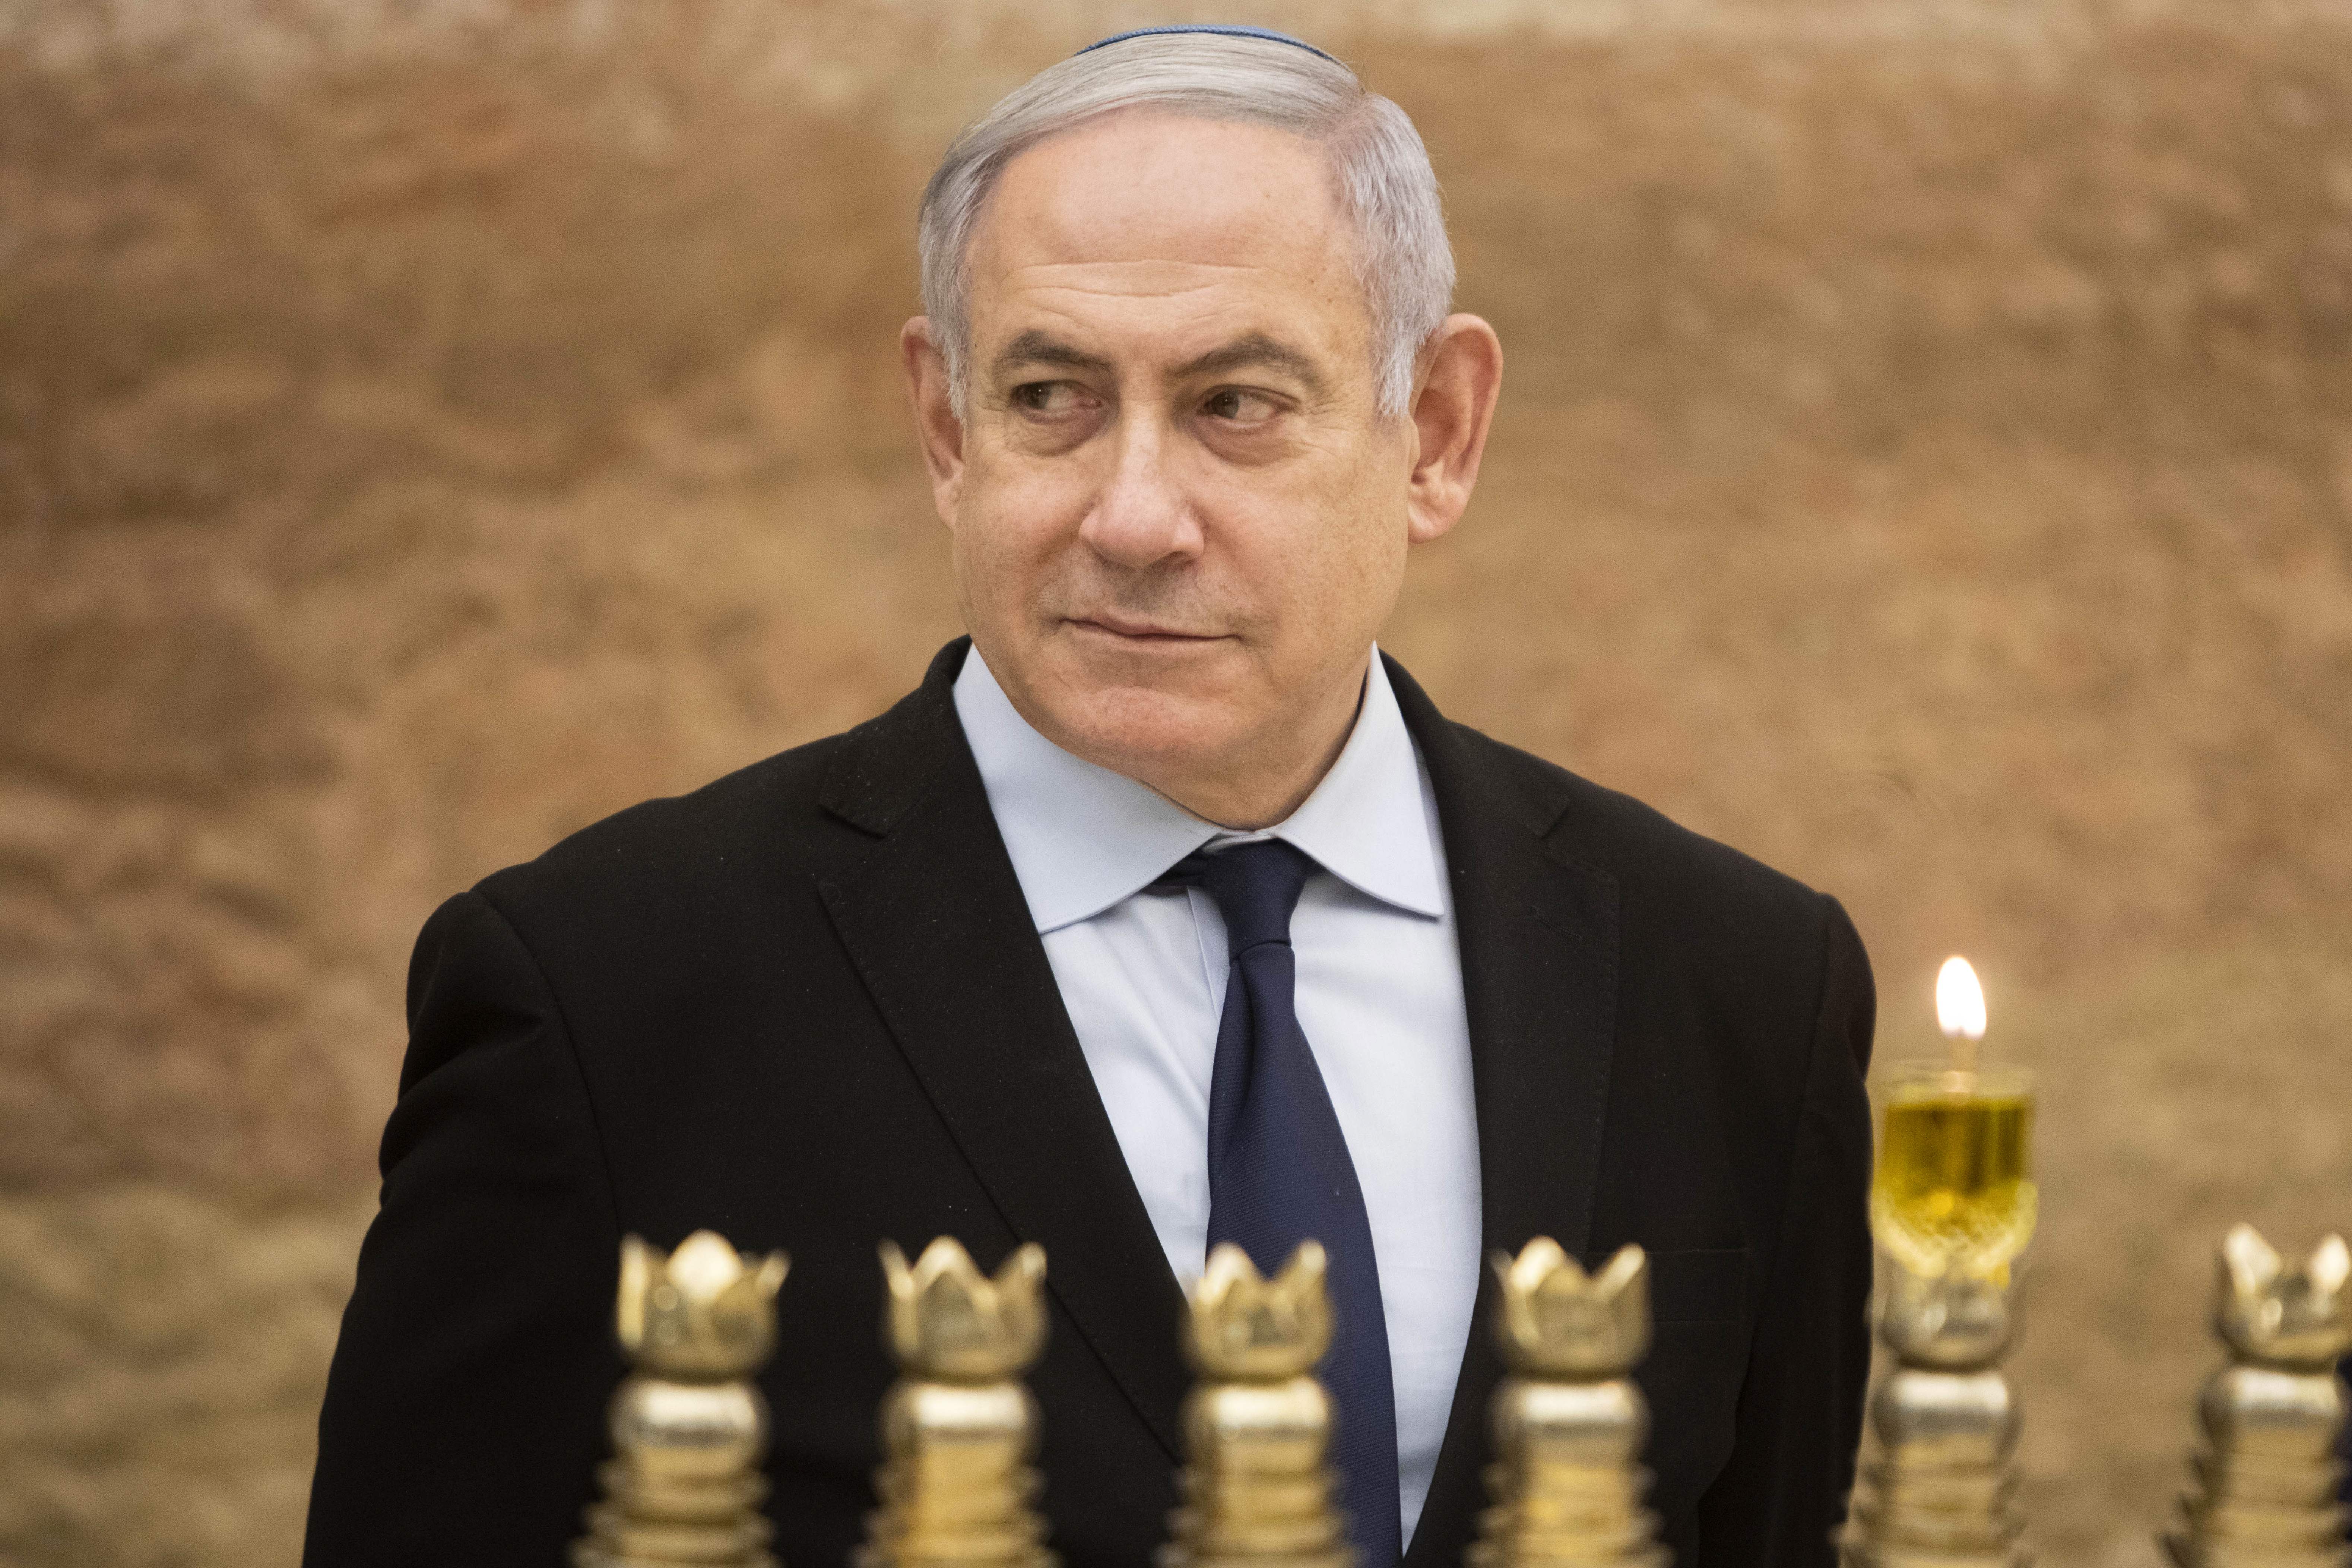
{"type": "Point", "coordinates": [1701, 920]}
{"type": "Point", "coordinates": [792, 812]}
{"type": "Point", "coordinates": [677, 854]}
{"type": "Point", "coordinates": [1649, 854]}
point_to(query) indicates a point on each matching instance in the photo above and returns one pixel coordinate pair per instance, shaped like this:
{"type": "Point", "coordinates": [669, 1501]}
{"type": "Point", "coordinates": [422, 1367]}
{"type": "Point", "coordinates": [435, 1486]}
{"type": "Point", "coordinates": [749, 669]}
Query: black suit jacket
{"type": "Point", "coordinates": [805, 1006]}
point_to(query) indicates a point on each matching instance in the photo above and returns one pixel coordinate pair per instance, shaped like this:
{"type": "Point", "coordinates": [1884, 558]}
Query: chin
{"type": "Point", "coordinates": [1142, 731]}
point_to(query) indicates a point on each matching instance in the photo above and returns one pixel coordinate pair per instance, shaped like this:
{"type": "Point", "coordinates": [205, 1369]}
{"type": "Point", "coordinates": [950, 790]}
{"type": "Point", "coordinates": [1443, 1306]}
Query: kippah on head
{"type": "Point", "coordinates": [1221, 29]}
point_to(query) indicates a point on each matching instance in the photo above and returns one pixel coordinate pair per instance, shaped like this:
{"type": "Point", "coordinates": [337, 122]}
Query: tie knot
{"type": "Point", "coordinates": [1256, 886]}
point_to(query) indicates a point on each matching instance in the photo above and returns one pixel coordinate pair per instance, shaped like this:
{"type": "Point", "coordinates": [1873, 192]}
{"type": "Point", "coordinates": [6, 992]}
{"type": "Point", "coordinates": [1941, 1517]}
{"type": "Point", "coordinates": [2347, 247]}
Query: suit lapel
{"type": "Point", "coordinates": [935, 920]}
{"type": "Point", "coordinates": [1539, 938]}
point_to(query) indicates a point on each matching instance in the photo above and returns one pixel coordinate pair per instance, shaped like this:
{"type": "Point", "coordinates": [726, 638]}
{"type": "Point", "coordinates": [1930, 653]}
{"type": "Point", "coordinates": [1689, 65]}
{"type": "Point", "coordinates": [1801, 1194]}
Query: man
{"type": "Point", "coordinates": [1165, 912]}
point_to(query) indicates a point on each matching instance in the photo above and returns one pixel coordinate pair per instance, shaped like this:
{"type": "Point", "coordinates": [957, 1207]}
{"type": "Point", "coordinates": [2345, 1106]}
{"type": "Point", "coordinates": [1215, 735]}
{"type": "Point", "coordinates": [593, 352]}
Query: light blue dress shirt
{"type": "Point", "coordinates": [1380, 998]}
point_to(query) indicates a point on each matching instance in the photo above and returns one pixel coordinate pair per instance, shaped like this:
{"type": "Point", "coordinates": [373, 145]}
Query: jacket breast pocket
{"type": "Point", "coordinates": [1697, 1362]}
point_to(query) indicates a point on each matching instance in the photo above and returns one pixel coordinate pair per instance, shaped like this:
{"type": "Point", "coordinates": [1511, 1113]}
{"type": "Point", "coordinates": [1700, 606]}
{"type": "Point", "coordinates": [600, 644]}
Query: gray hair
{"type": "Point", "coordinates": [1384, 183]}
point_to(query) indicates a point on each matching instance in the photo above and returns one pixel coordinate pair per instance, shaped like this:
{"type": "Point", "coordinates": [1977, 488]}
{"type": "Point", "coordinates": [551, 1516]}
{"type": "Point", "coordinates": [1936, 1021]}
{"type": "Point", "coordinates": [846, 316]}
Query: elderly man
{"type": "Point", "coordinates": [1166, 912]}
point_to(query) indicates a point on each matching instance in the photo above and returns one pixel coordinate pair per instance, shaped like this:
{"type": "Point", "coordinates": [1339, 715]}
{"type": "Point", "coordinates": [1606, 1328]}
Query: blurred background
{"type": "Point", "coordinates": [426, 425]}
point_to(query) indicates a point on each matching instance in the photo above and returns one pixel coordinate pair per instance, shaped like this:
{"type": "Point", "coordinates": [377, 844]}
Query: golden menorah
{"type": "Point", "coordinates": [1952, 1205]}
{"type": "Point", "coordinates": [1936, 1487]}
{"type": "Point", "coordinates": [959, 1428]}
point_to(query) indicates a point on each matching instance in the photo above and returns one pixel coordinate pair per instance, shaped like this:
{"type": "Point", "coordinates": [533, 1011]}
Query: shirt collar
{"type": "Point", "coordinates": [1083, 839]}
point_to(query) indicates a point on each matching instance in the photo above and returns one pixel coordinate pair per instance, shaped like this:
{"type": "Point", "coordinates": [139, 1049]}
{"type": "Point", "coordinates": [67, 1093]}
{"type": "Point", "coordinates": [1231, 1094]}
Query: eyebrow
{"type": "Point", "coordinates": [1251, 349]}
{"type": "Point", "coordinates": [1033, 347]}
{"type": "Point", "coordinates": [1255, 350]}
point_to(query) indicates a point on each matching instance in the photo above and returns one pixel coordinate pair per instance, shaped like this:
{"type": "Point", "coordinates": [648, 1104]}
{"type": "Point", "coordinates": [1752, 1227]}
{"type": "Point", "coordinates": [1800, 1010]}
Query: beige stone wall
{"type": "Point", "coordinates": [1926, 463]}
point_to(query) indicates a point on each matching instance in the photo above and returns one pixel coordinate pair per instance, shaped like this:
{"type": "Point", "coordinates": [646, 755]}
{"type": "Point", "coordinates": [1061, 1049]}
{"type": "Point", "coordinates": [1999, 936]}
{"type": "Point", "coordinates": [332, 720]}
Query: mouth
{"type": "Point", "coordinates": [1139, 633]}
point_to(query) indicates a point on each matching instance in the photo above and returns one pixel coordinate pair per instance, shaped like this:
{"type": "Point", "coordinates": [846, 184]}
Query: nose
{"type": "Point", "coordinates": [1142, 517]}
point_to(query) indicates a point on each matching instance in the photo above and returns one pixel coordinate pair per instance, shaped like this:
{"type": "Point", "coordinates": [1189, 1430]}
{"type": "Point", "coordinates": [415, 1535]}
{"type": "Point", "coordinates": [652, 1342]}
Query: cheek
{"type": "Point", "coordinates": [1033, 494]}
{"type": "Point", "coordinates": [992, 559]}
{"type": "Point", "coordinates": [1013, 518]}
{"type": "Point", "coordinates": [1353, 564]}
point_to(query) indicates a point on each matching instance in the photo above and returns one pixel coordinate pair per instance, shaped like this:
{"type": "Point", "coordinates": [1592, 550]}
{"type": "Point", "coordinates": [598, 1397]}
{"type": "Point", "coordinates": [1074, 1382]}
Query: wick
{"type": "Point", "coordinates": [1964, 1060]}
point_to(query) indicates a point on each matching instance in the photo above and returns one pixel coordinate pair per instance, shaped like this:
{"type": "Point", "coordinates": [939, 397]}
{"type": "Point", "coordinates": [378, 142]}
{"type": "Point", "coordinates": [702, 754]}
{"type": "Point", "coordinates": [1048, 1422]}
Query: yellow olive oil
{"type": "Point", "coordinates": [1954, 1184]}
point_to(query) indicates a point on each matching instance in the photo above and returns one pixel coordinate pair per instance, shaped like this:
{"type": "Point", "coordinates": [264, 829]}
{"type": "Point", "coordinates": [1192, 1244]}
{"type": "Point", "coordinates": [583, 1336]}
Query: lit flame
{"type": "Point", "coordinates": [1959, 1000]}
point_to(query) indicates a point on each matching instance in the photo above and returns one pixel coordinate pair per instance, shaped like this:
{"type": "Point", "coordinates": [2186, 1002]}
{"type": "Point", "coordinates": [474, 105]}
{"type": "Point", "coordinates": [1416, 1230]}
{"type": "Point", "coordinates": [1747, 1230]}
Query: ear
{"type": "Point", "coordinates": [1461, 378]}
{"type": "Point", "coordinates": [936, 429]}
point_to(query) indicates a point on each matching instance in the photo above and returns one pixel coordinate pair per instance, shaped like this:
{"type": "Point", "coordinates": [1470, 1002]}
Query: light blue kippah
{"type": "Point", "coordinates": [1221, 29]}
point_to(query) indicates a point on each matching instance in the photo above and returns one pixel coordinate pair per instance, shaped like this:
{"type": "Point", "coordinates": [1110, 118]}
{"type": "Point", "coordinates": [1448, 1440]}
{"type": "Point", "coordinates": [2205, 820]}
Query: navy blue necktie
{"type": "Point", "coordinates": [1279, 1171]}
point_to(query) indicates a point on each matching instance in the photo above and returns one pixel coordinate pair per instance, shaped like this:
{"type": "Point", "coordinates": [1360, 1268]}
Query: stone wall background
{"type": "Point", "coordinates": [425, 427]}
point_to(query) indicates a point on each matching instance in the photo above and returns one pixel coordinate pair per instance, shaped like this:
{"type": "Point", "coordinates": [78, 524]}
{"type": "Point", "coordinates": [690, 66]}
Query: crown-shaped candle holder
{"type": "Point", "coordinates": [2265, 1478]}
{"type": "Point", "coordinates": [1952, 1205]}
{"type": "Point", "coordinates": [1939, 1482]}
{"type": "Point", "coordinates": [1567, 1480]}
{"type": "Point", "coordinates": [1257, 1426]}
{"type": "Point", "coordinates": [688, 1426]}
{"type": "Point", "coordinates": [959, 1428]}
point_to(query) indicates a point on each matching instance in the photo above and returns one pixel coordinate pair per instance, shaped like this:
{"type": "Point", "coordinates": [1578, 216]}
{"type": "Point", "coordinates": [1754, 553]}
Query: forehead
{"type": "Point", "coordinates": [1149, 211]}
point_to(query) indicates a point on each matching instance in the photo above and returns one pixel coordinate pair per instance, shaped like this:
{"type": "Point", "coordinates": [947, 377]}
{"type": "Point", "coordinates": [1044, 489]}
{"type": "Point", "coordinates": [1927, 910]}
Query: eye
{"type": "Point", "coordinates": [1240, 405]}
{"type": "Point", "coordinates": [1047, 396]}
